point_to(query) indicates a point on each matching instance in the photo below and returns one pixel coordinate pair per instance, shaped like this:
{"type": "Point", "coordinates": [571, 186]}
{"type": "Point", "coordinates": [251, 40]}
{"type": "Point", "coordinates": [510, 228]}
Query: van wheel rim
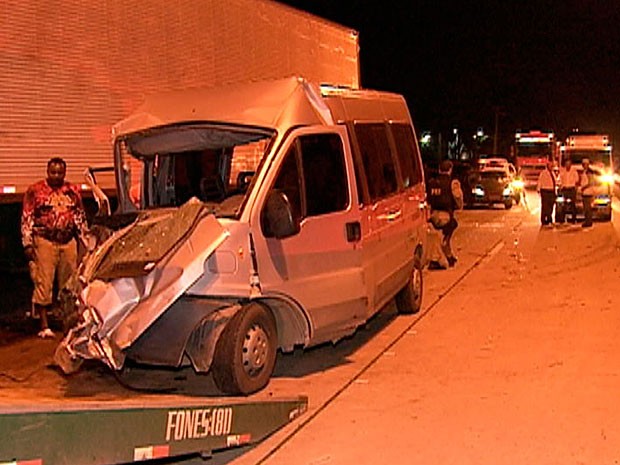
{"type": "Point", "coordinates": [255, 350]}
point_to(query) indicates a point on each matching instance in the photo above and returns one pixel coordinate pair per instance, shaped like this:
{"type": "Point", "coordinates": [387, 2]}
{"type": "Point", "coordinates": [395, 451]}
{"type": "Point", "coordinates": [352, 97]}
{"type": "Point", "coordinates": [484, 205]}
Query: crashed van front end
{"type": "Point", "coordinates": [126, 284]}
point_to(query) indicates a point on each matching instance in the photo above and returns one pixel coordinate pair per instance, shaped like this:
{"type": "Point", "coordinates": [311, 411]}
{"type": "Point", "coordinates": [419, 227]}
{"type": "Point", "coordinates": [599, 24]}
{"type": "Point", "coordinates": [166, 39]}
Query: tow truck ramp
{"type": "Point", "coordinates": [87, 434]}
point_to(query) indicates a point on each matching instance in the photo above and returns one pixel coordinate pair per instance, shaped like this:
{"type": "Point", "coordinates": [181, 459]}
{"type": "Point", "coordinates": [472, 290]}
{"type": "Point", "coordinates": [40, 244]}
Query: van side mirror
{"type": "Point", "coordinates": [277, 218]}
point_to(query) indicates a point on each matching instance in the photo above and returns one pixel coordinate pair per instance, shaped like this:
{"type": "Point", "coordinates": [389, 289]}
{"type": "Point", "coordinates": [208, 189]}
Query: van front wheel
{"type": "Point", "coordinates": [409, 298]}
{"type": "Point", "coordinates": [245, 354]}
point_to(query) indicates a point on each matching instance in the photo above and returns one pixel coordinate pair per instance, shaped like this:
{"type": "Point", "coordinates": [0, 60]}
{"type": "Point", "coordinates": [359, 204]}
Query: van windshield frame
{"type": "Point", "coordinates": [165, 166]}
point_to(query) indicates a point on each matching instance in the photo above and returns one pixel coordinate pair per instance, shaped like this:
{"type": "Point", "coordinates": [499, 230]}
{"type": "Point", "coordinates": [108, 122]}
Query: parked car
{"type": "Point", "coordinates": [497, 163]}
{"type": "Point", "coordinates": [490, 187]}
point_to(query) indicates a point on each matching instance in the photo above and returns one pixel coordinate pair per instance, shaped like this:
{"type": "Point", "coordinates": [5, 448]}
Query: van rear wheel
{"type": "Point", "coordinates": [245, 353]}
{"type": "Point", "coordinates": [409, 298]}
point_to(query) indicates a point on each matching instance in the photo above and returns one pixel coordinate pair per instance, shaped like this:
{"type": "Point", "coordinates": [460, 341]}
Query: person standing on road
{"type": "Point", "coordinates": [546, 187]}
{"type": "Point", "coordinates": [569, 179]}
{"type": "Point", "coordinates": [52, 219]}
{"type": "Point", "coordinates": [587, 192]}
{"type": "Point", "coordinates": [445, 196]}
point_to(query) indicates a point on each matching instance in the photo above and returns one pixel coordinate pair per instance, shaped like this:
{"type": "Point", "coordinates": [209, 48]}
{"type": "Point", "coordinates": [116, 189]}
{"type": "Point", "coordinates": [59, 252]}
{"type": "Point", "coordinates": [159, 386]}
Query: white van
{"type": "Point", "coordinates": [262, 216]}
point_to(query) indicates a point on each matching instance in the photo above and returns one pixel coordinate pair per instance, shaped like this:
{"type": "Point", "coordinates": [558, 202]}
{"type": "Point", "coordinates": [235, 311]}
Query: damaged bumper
{"type": "Point", "coordinates": [133, 278]}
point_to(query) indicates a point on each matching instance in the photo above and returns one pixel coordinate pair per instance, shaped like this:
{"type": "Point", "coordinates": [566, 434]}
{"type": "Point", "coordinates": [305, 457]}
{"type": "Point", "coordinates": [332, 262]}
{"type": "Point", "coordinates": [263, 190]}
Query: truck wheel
{"type": "Point", "coordinates": [409, 298]}
{"type": "Point", "coordinates": [245, 354]}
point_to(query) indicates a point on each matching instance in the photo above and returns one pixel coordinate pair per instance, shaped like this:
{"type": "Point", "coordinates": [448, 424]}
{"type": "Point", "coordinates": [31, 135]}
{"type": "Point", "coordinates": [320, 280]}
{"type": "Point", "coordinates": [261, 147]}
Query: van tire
{"type": "Point", "coordinates": [409, 298]}
{"type": "Point", "coordinates": [245, 353]}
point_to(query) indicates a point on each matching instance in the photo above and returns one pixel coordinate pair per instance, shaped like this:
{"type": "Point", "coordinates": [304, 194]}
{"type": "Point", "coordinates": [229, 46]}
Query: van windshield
{"type": "Point", "coordinates": [166, 166]}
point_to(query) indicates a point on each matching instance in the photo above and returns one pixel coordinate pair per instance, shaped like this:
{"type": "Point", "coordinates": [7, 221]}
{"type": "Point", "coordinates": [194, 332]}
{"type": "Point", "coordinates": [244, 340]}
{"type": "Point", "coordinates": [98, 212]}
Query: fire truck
{"type": "Point", "coordinates": [532, 150]}
{"type": "Point", "coordinates": [597, 148]}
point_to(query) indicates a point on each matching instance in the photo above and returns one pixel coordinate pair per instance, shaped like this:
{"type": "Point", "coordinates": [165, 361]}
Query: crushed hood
{"type": "Point", "coordinates": [137, 274]}
{"type": "Point", "coordinates": [138, 248]}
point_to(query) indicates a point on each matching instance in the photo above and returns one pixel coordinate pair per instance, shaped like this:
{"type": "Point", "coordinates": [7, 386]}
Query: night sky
{"type": "Point", "coordinates": [548, 64]}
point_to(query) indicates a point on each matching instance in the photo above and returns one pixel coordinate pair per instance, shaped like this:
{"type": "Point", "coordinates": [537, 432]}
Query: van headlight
{"type": "Point", "coordinates": [507, 192]}
{"type": "Point", "coordinates": [518, 184]}
{"type": "Point", "coordinates": [478, 191]}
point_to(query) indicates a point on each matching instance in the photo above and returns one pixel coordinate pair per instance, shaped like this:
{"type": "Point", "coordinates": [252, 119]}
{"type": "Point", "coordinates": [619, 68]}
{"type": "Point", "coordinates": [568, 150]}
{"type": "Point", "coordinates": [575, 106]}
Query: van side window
{"type": "Point", "coordinates": [407, 150]}
{"type": "Point", "coordinates": [325, 176]}
{"type": "Point", "coordinates": [288, 181]}
{"type": "Point", "coordinates": [377, 159]}
{"type": "Point", "coordinates": [320, 186]}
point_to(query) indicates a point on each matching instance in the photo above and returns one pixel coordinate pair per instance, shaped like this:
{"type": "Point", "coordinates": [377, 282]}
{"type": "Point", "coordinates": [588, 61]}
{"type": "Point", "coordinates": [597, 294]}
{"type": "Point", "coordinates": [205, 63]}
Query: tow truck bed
{"type": "Point", "coordinates": [90, 418]}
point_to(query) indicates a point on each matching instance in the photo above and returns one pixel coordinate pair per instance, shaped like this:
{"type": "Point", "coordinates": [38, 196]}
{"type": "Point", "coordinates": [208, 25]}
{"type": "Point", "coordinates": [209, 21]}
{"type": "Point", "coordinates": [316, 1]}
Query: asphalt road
{"type": "Point", "coordinates": [511, 360]}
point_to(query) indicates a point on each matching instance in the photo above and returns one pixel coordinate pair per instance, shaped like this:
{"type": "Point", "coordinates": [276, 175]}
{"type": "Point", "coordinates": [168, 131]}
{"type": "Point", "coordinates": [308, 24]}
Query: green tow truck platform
{"type": "Point", "coordinates": [108, 433]}
{"type": "Point", "coordinates": [91, 418]}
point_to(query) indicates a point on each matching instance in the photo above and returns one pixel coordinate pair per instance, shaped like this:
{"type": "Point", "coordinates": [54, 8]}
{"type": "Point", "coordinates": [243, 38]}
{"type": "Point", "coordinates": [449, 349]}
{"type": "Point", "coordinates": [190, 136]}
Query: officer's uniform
{"type": "Point", "coordinates": [441, 195]}
{"type": "Point", "coordinates": [546, 186]}
{"type": "Point", "coordinates": [569, 179]}
{"type": "Point", "coordinates": [587, 194]}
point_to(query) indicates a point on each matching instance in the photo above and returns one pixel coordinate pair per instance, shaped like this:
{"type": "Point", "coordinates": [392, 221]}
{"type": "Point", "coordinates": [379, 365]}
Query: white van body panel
{"type": "Point", "coordinates": [228, 271]}
{"type": "Point", "coordinates": [318, 267]}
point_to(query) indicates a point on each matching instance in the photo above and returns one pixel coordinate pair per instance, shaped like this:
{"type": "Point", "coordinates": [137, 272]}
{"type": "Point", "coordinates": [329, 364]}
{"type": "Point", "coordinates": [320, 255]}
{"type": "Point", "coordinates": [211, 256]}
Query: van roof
{"type": "Point", "coordinates": [365, 105]}
{"type": "Point", "coordinates": [277, 104]}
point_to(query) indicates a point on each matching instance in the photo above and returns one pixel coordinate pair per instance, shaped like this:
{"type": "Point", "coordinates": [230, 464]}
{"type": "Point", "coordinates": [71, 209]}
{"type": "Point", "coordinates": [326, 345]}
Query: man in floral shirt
{"type": "Point", "coordinates": [52, 219]}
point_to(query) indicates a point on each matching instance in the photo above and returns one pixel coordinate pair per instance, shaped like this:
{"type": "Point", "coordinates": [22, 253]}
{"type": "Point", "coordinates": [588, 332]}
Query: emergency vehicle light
{"type": "Point", "coordinates": [535, 139]}
{"type": "Point", "coordinates": [9, 189]}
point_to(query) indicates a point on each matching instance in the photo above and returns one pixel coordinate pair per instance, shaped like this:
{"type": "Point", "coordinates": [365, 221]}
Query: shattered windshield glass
{"type": "Point", "coordinates": [169, 165]}
{"type": "Point", "coordinates": [147, 241]}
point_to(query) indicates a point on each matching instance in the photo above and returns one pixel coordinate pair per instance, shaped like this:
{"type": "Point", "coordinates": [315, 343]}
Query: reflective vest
{"type": "Point", "coordinates": [439, 192]}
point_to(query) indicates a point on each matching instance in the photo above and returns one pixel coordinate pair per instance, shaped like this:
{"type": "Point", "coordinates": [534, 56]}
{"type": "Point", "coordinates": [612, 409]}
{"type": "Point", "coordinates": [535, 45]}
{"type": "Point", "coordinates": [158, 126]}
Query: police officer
{"type": "Point", "coordinates": [569, 179]}
{"type": "Point", "coordinates": [546, 187]}
{"type": "Point", "coordinates": [445, 196]}
{"type": "Point", "coordinates": [587, 192]}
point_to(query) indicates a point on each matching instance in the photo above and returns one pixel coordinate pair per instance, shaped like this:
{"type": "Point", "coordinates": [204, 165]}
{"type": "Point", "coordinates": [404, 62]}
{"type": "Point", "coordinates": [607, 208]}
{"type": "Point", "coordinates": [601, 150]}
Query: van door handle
{"type": "Point", "coordinates": [390, 216]}
{"type": "Point", "coordinates": [354, 231]}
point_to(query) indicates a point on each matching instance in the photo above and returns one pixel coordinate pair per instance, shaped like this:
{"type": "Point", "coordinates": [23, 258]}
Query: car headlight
{"type": "Point", "coordinates": [507, 192]}
{"type": "Point", "coordinates": [602, 200]}
{"type": "Point", "coordinates": [518, 184]}
{"type": "Point", "coordinates": [607, 179]}
{"type": "Point", "coordinates": [479, 191]}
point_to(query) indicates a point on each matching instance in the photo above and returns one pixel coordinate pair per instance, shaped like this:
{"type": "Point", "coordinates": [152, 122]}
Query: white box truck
{"type": "Point", "coordinates": [71, 71]}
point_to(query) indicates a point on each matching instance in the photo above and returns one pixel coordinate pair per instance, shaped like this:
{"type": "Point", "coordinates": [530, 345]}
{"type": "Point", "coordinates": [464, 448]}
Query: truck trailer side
{"type": "Point", "coordinates": [75, 69]}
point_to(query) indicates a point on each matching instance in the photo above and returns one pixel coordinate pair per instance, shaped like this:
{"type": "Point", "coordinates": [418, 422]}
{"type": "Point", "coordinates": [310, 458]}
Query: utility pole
{"type": "Point", "coordinates": [496, 133]}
